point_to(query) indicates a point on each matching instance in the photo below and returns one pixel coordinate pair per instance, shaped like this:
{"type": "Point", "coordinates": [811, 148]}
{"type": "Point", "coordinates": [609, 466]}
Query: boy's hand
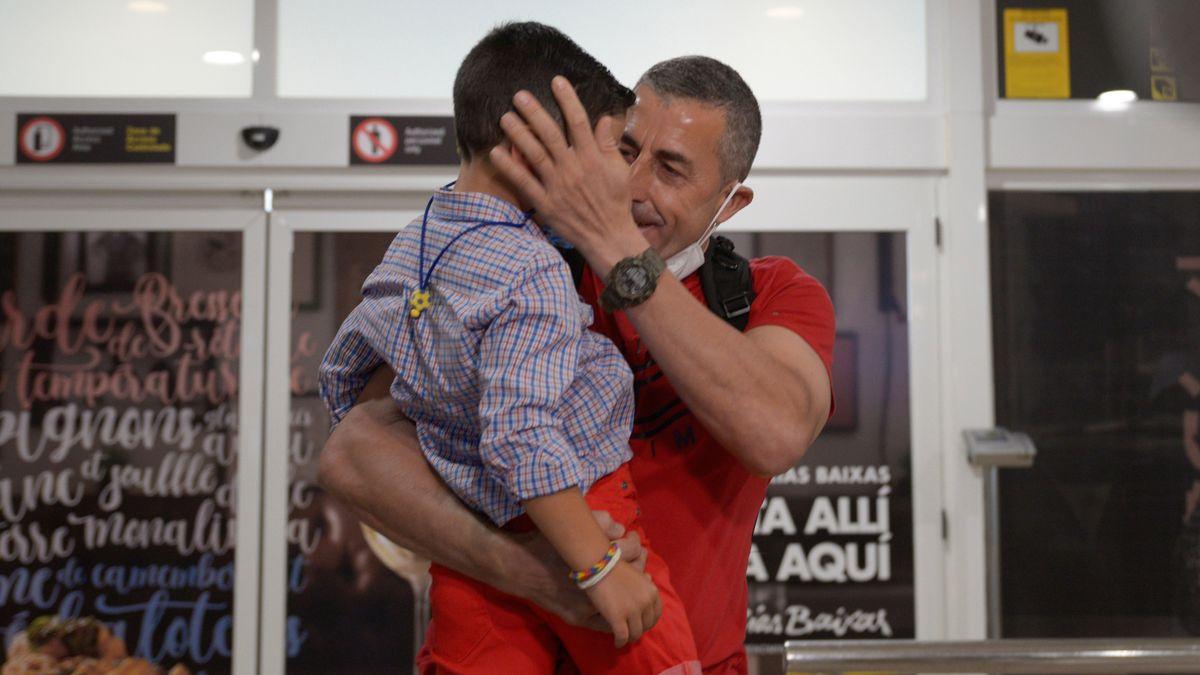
{"type": "Point", "coordinates": [629, 601]}
{"type": "Point", "coordinates": [534, 571]}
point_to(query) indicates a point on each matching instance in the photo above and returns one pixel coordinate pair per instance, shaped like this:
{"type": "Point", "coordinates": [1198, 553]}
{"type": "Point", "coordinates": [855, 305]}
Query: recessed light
{"type": "Point", "coordinates": [222, 57]}
{"type": "Point", "coordinates": [1117, 99]}
{"type": "Point", "coordinates": [785, 12]}
{"type": "Point", "coordinates": [1118, 96]}
{"type": "Point", "coordinates": [149, 6]}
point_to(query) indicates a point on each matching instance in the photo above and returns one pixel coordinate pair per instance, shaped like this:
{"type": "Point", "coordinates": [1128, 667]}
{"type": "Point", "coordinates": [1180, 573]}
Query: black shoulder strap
{"type": "Point", "coordinates": [726, 281]}
{"type": "Point", "coordinates": [575, 261]}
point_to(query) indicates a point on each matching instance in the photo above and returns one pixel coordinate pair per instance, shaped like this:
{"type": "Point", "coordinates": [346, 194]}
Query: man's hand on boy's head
{"type": "Point", "coordinates": [581, 189]}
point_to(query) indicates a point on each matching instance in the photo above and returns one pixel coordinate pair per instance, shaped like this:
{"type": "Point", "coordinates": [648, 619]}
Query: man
{"type": "Point", "coordinates": [521, 409]}
{"type": "Point", "coordinates": [718, 411]}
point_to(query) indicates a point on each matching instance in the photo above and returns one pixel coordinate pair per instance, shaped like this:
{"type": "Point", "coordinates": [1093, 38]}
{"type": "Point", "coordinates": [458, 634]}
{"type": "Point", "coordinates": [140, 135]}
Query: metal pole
{"type": "Point", "coordinates": [991, 496]}
{"type": "Point", "coordinates": [995, 656]}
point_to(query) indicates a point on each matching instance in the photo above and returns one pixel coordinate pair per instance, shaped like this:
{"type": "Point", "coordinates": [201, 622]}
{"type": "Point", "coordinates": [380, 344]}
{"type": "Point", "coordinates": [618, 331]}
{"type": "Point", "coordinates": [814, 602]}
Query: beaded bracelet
{"type": "Point", "coordinates": [592, 575]}
{"type": "Point", "coordinates": [584, 585]}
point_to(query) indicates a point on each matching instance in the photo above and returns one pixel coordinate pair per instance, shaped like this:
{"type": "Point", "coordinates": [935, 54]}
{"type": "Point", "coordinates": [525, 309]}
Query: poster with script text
{"type": "Point", "coordinates": [118, 447]}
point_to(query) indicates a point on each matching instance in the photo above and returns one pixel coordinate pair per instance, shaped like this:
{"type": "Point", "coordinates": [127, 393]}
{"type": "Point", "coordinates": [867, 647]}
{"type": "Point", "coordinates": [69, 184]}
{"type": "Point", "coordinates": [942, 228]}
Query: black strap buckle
{"type": "Point", "coordinates": [740, 305]}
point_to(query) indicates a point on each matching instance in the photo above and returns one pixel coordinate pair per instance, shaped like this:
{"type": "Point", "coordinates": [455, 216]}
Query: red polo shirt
{"type": "Point", "coordinates": [699, 503]}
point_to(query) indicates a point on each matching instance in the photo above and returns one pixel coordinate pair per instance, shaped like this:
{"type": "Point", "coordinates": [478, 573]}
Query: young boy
{"type": "Point", "coordinates": [518, 406]}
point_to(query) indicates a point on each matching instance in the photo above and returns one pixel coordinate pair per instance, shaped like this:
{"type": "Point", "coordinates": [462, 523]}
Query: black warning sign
{"type": "Point", "coordinates": [420, 141]}
{"type": "Point", "coordinates": [44, 138]}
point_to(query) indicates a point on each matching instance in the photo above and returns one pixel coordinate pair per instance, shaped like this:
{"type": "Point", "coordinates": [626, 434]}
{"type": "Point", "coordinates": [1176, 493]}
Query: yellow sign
{"type": "Point", "coordinates": [1037, 54]}
{"type": "Point", "coordinates": [1162, 88]}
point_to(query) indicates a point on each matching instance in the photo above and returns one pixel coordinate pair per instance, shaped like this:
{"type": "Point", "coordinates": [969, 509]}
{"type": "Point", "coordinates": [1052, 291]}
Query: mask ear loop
{"type": "Point", "coordinates": [712, 227]}
{"type": "Point", "coordinates": [691, 257]}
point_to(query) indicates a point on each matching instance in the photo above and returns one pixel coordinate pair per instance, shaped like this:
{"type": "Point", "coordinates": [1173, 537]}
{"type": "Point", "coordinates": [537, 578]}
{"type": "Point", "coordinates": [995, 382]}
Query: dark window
{"type": "Point", "coordinates": [1096, 324]}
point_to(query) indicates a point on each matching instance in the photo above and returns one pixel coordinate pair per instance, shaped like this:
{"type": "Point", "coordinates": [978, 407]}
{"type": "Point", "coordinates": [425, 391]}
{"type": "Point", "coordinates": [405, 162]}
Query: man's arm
{"type": "Point", "coordinates": [373, 464]}
{"type": "Point", "coordinates": [765, 394]}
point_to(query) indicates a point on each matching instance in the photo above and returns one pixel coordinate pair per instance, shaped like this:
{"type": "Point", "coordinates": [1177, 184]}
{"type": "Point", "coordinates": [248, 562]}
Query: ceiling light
{"type": "Point", "coordinates": [147, 6]}
{"type": "Point", "coordinates": [1118, 96]}
{"type": "Point", "coordinates": [223, 57]}
{"type": "Point", "coordinates": [786, 12]}
{"type": "Point", "coordinates": [1117, 99]}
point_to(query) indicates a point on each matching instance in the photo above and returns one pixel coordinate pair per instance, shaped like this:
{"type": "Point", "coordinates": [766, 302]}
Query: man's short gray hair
{"type": "Point", "coordinates": [711, 82]}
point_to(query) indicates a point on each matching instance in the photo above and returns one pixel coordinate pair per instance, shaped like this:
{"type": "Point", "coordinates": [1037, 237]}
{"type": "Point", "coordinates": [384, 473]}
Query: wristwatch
{"type": "Point", "coordinates": [632, 281]}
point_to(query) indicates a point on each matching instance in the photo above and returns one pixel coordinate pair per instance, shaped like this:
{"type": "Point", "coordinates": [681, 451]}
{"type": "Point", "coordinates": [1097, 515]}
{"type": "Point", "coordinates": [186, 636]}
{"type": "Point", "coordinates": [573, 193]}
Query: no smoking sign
{"type": "Point", "coordinates": [42, 139]}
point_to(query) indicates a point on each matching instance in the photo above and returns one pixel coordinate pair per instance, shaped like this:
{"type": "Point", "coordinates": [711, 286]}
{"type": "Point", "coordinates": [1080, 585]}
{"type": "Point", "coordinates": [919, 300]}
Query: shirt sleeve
{"type": "Point", "coordinates": [789, 298]}
{"type": "Point", "coordinates": [349, 362]}
{"type": "Point", "coordinates": [528, 357]}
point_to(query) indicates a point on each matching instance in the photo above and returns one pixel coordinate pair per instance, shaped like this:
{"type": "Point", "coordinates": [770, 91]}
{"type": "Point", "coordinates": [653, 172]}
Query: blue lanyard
{"type": "Point", "coordinates": [420, 297]}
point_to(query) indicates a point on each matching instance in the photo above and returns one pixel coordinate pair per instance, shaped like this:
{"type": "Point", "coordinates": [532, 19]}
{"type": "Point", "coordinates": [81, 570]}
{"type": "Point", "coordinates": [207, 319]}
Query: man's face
{"type": "Point", "coordinates": [675, 178]}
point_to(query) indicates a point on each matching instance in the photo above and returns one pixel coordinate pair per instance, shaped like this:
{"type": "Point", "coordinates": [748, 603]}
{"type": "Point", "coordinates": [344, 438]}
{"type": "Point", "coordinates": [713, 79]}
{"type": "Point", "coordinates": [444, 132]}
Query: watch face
{"type": "Point", "coordinates": [633, 280]}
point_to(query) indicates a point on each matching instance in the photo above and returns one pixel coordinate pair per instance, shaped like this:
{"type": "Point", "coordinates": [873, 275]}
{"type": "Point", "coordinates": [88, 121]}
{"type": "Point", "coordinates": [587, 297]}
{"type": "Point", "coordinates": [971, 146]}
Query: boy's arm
{"type": "Point", "coordinates": [626, 597]}
{"type": "Point", "coordinates": [349, 362]}
{"type": "Point", "coordinates": [528, 359]}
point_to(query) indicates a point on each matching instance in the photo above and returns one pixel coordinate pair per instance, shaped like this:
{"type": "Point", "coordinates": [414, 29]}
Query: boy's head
{"type": "Point", "coordinates": [516, 56]}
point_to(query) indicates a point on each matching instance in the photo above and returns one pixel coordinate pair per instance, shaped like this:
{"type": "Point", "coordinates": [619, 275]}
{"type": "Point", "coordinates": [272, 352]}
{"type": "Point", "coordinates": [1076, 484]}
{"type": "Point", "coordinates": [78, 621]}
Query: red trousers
{"type": "Point", "coordinates": [477, 629]}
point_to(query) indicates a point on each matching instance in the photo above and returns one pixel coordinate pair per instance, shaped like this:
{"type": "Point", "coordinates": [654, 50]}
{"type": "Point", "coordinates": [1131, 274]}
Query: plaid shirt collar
{"type": "Point", "coordinates": [449, 205]}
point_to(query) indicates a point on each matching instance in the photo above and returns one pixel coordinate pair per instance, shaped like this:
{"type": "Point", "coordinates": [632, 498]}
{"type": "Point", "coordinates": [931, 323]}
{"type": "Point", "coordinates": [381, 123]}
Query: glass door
{"type": "Point", "coordinates": [848, 543]}
{"type": "Point", "coordinates": [1096, 311]}
{"type": "Point", "coordinates": [130, 461]}
{"type": "Point", "coordinates": [337, 583]}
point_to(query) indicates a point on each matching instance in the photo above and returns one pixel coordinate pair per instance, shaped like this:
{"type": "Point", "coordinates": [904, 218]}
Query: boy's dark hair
{"type": "Point", "coordinates": [516, 56]}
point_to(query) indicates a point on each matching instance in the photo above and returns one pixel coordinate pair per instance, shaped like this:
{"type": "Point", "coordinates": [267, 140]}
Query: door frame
{"type": "Point", "coordinates": [906, 204]}
{"type": "Point", "coordinates": [70, 212]}
{"type": "Point", "coordinates": [784, 202]}
{"type": "Point", "coordinates": [370, 213]}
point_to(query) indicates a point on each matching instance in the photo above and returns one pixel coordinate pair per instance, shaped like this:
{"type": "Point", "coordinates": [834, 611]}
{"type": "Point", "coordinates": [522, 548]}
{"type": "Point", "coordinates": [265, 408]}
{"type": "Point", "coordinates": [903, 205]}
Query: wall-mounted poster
{"type": "Point", "coordinates": [118, 450]}
{"type": "Point", "coordinates": [832, 556]}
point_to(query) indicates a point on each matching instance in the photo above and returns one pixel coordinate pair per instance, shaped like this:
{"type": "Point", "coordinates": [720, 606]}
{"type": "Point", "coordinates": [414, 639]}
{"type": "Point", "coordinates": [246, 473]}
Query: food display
{"type": "Point", "coordinates": [74, 647]}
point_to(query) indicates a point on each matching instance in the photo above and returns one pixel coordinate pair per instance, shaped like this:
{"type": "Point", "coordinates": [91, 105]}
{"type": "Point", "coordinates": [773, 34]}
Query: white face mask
{"type": "Point", "coordinates": [691, 258]}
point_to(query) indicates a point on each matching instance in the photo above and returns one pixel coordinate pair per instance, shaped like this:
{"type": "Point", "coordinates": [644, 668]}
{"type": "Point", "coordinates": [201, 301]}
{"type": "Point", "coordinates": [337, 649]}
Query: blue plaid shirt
{"type": "Point", "coordinates": [513, 397]}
